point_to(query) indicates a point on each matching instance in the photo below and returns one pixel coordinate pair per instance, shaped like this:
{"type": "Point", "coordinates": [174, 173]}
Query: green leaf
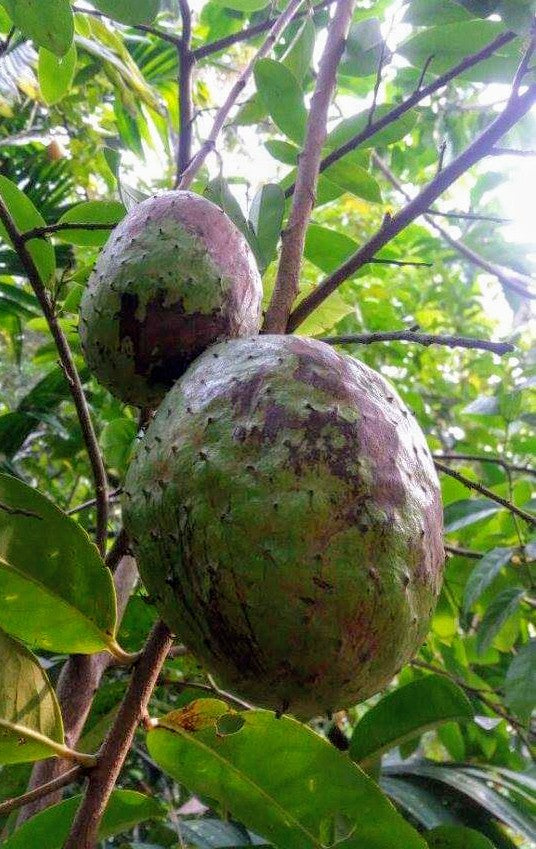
{"type": "Point", "coordinates": [449, 44]}
{"type": "Point", "coordinates": [283, 151]}
{"type": "Point", "coordinates": [407, 712]}
{"type": "Point", "coordinates": [56, 74]}
{"type": "Point", "coordinates": [434, 12]}
{"type": "Point", "coordinates": [91, 212]}
{"type": "Point", "coordinates": [117, 441]}
{"type": "Point", "coordinates": [26, 217]}
{"type": "Point", "coordinates": [218, 192]}
{"type": "Point", "coordinates": [299, 55]}
{"type": "Point", "coordinates": [463, 513]}
{"type": "Point", "coordinates": [26, 699]}
{"type": "Point", "coordinates": [364, 48]}
{"type": "Point", "coordinates": [520, 681]}
{"type": "Point", "coordinates": [266, 218]}
{"type": "Point", "coordinates": [209, 833]}
{"type": "Point", "coordinates": [327, 248]}
{"type": "Point", "coordinates": [498, 611]}
{"type": "Point", "coordinates": [484, 573]}
{"type": "Point", "coordinates": [242, 5]}
{"type": "Point", "coordinates": [283, 98]}
{"type": "Point", "coordinates": [457, 837]}
{"type": "Point", "coordinates": [129, 11]}
{"type": "Point", "coordinates": [348, 128]}
{"type": "Point", "coordinates": [304, 793]}
{"type": "Point", "coordinates": [53, 30]}
{"type": "Point", "coordinates": [353, 178]}
{"type": "Point", "coordinates": [418, 801]}
{"type": "Point", "coordinates": [55, 591]}
{"type": "Point", "coordinates": [49, 828]}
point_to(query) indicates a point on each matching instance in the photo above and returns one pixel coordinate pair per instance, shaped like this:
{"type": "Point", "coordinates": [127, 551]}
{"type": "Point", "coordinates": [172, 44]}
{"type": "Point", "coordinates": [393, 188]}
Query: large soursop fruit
{"type": "Point", "coordinates": [286, 517]}
{"type": "Point", "coordinates": [175, 276]}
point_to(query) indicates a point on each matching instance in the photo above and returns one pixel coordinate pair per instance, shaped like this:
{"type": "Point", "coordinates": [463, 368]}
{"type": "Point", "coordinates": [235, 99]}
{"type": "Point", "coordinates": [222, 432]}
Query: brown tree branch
{"type": "Point", "coordinates": [418, 95]}
{"type": "Point", "coordinates": [488, 493]}
{"type": "Point", "coordinates": [249, 32]}
{"type": "Point", "coordinates": [70, 370]}
{"type": "Point", "coordinates": [49, 229]}
{"type": "Point", "coordinates": [471, 553]}
{"type": "Point", "coordinates": [77, 684]}
{"type": "Point", "coordinates": [293, 236]}
{"type": "Point", "coordinates": [391, 226]}
{"type": "Point", "coordinates": [91, 502]}
{"type": "Point", "coordinates": [277, 28]}
{"type": "Point", "coordinates": [508, 278]}
{"type": "Point", "coordinates": [485, 458]}
{"type": "Point", "coordinates": [117, 744]}
{"type": "Point", "coordinates": [43, 790]}
{"type": "Point", "coordinates": [186, 107]}
{"type": "Point", "coordinates": [498, 348]}
{"type": "Point", "coordinates": [470, 216]}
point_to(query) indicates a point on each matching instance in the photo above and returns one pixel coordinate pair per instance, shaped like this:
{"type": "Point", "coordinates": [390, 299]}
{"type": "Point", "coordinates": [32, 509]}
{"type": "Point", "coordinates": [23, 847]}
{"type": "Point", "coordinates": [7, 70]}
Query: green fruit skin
{"type": "Point", "coordinates": [175, 276]}
{"type": "Point", "coordinates": [286, 517]}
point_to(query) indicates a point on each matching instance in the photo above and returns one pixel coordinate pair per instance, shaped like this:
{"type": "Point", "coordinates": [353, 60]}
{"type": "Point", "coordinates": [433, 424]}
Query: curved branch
{"type": "Point", "coordinates": [280, 24]}
{"type": "Point", "coordinates": [50, 229]}
{"type": "Point", "coordinates": [498, 348]}
{"type": "Point", "coordinates": [117, 744]}
{"type": "Point", "coordinates": [43, 790]}
{"type": "Point", "coordinates": [293, 236]}
{"type": "Point", "coordinates": [484, 458]}
{"type": "Point", "coordinates": [392, 226]}
{"type": "Point", "coordinates": [70, 371]}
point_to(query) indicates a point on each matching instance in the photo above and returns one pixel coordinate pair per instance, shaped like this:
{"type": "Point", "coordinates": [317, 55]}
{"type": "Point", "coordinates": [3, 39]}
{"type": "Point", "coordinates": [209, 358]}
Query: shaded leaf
{"type": "Point", "coordinates": [483, 574]}
{"type": "Point", "coordinates": [406, 712]}
{"type": "Point", "coordinates": [26, 217]}
{"type": "Point", "coordinates": [266, 218]}
{"type": "Point", "coordinates": [498, 611]}
{"type": "Point", "coordinates": [520, 682]}
{"type": "Point", "coordinates": [283, 98]}
{"type": "Point", "coordinates": [305, 794]}
{"type": "Point", "coordinates": [53, 30]}
{"type": "Point", "coordinates": [463, 513]}
{"type": "Point", "coordinates": [457, 837]}
{"type": "Point", "coordinates": [129, 11]}
{"type": "Point", "coordinates": [117, 441]}
{"type": "Point", "coordinates": [299, 55]}
{"type": "Point", "coordinates": [56, 74]}
{"type": "Point", "coordinates": [91, 212]}
{"type": "Point", "coordinates": [26, 699]}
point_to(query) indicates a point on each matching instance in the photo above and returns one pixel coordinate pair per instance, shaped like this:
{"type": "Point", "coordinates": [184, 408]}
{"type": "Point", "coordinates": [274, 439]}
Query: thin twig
{"type": "Point", "coordinates": [70, 370]}
{"type": "Point", "coordinates": [280, 24]}
{"type": "Point", "coordinates": [159, 33]}
{"type": "Point", "coordinates": [43, 790]}
{"type": "Point", "coordinates": [392, 226]}
{"type": "Point", "coordinates": [425, 67]}
{"type": "Point", "coordinates": [414, 98]}
{"type": "Point", "coordinates": [293, 236]}
{"type": "Point", "coordinates": [498, 348]}
{"type": "Point", "coordinates": [186, 107]}
{"type": "Point", "coordinates": [49, 229]}
{"type": "Point", "coordinates": [117, 744]}
{"type": "Point", "coordinates": [401, 263]}
{"type": "Point", "coordinates": [470, 216]}
{"type": "Point", "coordinates": [91, 502]}
{"type": "Point", "coordinates": [519, 283]}
{"type": "Point", "coordinates": [485, 458]}
{"type": "Point", "coordinates": [463, 552]}
{"type": "Point", "coordinates": [488, 493]}
{"type": "Point", "coordinates": [249, 32]}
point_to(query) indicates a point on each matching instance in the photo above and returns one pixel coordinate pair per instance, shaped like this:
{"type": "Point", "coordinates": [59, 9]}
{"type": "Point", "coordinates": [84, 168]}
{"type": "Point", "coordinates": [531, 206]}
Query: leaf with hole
{"type": "Point", "coordinates": [55, 591]}
{"type": "Point", "coordinates": [305, 794]}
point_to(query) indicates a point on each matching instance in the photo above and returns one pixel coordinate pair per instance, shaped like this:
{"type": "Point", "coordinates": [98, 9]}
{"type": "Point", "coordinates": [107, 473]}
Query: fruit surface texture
{"type": "Point", "coordinates": [175, 276]}
{"type": "Point", "coordinates": [286, 517]}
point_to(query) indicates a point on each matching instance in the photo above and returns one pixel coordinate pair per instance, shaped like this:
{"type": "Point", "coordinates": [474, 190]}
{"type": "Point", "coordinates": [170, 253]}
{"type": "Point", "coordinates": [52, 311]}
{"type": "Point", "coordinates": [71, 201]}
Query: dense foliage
{"type": "Point", "coordinates": [102, 105]}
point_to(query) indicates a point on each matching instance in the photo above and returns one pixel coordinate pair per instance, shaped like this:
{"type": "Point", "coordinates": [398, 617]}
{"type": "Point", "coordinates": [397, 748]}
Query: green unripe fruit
{"type": "Point", "coordinates": [286, 517]}
{"type": "Point", "coordinates": [175, 276]}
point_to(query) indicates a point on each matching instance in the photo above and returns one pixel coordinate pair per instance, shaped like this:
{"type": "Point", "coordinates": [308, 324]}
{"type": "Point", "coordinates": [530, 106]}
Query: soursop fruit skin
{"type": "Point", "coordinates": [285, 514]}
{"type": "Point", "coordinates": [175, 276]}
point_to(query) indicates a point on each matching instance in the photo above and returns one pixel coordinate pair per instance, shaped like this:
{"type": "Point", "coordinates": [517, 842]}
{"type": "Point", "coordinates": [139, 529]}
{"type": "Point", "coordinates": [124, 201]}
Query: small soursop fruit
{"type": "Point", "coordinates": [175, 276]}
{"type": "Point", "coordinates": [286, 517]}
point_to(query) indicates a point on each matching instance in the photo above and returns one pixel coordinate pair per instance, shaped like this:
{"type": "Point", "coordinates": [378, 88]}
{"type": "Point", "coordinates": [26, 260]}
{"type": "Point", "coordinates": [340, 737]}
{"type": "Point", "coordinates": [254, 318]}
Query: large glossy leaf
{"type": "Point", "coordinates": [421, 804]}
{"type": "Point", "coordinates": [406, 713]}
{"type": "Point", "coordinates": [348, 128]}
{"type": "Point", "coordinates": [461, 781]}
{"type": "Point", "coordinates": [129, 11]}
{"type": "Point", "coordinates": [49, 828]}
{"type": "Point", "coordinates": [327, 248]}
{"type": "Point", "coordinates": [483, 574]}
{"type": "Point", "coordinates": [457, 837]}
{"type": "Point", "coordinates": [55, 591]}
{"type": "Point", "coordinates": [26, 217]}
{"type": "Point", "coordinates": [56, 74]}
{"type": "Point", "coordinates": [53, 30]}
{"type": "Point", "coordinates": [352, 177]}
{"type": "Point", "coordinates": [26, 699]}
{"type": "Point", "coordinates": [283, 98]}
{"type": "Point", "coordinates": [520, 682]}
{"type": "Point", "coordinates": [92, 212]}
{"type": "Point", "coordinates": [303, 793]}
{"type": "Point", "coordinates": [208, 833]}
{"type": "Point", "coordinates": [498, 611]}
